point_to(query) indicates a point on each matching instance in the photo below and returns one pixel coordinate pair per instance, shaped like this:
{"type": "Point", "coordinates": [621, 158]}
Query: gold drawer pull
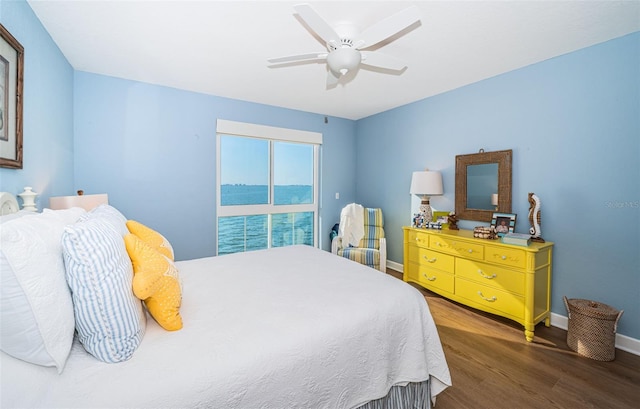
{"type": "Point", "coordinates": [429, 278]}
{"type": "Point", "coordinates": [470, 251]}
{"type": "Point", "coordinates": [430, 260]}
{"type": "Point", "coordinates": [486, 276]}
{"type": "Point", "coordinates": [492, 299]}
{"type": "Point", "coordinates": [503, 257]}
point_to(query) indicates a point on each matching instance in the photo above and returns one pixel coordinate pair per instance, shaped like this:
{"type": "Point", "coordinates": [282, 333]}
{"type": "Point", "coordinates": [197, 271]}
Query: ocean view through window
{"type": "Point", "coordinates": [267, 187]}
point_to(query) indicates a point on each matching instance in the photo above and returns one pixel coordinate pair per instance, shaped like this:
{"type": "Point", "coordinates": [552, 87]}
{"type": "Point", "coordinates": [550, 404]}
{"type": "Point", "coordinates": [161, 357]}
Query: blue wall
{"type": "Point", "coordinates": [153, 150]}
{"type": "Point", "coordinates": [47, 109]}
{"type": "Point", "coordinates": [573, 123]}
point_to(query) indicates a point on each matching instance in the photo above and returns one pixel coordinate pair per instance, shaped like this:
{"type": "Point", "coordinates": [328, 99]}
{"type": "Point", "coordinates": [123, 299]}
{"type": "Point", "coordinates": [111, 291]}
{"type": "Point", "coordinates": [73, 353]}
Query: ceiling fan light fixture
{"type": "Point", "coordinates": [343, 60]}
{"type": "Point", "coordinates": [344, 42]}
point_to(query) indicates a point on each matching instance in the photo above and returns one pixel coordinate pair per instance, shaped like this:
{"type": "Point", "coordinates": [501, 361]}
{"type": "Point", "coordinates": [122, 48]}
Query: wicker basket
{"type": "Point", "coordinates": [592, 328]}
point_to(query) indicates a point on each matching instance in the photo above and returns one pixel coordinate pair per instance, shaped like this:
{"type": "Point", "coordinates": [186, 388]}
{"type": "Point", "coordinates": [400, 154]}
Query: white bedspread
{"type": "Point", "coordinates": [292, 327]}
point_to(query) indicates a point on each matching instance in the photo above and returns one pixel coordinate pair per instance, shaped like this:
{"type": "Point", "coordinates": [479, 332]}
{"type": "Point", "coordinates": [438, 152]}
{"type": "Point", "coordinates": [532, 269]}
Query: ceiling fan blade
{"type": "Point", "coordinates": [317, 23]}
{"type": "Point", "coordinates": [388, 27]}
{"type": "Point", "coordinates": [300, 57]}
{"type": "Point", "coordinates": [375, 59]}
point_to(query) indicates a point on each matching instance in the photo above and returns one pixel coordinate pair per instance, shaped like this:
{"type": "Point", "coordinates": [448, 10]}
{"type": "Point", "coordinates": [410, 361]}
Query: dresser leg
{"type": "Point", "coordinates": [547, 322]}
{"type": "Point", "coordinates": [528, 335]}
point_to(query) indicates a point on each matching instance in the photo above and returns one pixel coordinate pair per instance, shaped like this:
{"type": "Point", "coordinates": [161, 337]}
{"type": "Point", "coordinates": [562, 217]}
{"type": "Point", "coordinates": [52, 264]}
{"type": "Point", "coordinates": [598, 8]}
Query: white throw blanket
{"type": "Point", "coordinates": [257, 335]}
{"type": "Point", "coordinates": [352, 224]}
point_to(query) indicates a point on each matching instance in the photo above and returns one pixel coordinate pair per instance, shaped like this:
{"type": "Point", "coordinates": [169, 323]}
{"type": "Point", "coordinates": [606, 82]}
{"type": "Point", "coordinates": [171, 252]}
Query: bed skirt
{"type": "Point", "coordinates": [415, 395]}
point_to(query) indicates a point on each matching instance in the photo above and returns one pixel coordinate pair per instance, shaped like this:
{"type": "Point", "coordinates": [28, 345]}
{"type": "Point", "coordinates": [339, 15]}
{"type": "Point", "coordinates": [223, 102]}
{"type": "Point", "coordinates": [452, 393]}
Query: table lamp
{"type": "Point", "coordinates": [426, 184]}
{"type": "Point", "coordinates": [87, 202]}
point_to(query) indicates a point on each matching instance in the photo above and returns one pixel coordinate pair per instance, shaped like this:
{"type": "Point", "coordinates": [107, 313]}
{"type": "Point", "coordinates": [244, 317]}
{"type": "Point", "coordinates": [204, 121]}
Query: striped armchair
{"type": "Point", "coordinates": [372, 249]}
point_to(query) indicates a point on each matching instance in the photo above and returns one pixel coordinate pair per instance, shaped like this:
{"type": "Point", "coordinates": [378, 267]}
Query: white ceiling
{"type": "Point", "coordinates": [221, 47]}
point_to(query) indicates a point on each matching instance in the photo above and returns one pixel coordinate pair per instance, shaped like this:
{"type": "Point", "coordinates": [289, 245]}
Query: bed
{"type": "Point", "coordinates": [290, 327]}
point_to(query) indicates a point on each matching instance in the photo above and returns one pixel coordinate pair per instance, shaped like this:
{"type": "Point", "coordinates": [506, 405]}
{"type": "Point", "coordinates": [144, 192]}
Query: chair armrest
{"type": "Point", "coordinates": [383, 255]}
{"type": "Point", "coordinates": [336, 243]}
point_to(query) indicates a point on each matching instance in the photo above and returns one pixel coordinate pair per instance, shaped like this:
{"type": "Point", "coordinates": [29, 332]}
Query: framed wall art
{"type": "Point", "coordinates": [504, 223]}
{"type": "Point", "coordinates": [11, 86]}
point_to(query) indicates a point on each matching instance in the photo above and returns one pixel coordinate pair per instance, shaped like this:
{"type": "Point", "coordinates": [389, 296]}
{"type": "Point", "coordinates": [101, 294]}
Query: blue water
{"type": "Point", "coordinates": [246, 233]}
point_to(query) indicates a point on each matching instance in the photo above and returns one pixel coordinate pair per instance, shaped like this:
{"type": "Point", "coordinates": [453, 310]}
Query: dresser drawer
{"type": "Point", "coordinates": [431, 259]}
{"type": "Point", "coordinates": [457, 247]}
{"type": "Point", "coordinates": [418, 238]}
{"type": "Point", "coordinates": [506, 256]}
{"type": "Point", "coordinates": [430, 278]}
{"type": "Point", "coordinates": [491, 275]}
{"type": "Point", "coordinates": [490, 297]}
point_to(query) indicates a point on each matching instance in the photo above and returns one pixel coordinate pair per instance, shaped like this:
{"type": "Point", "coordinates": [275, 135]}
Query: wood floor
{"type": "Point", "coordinates": [493, 366]}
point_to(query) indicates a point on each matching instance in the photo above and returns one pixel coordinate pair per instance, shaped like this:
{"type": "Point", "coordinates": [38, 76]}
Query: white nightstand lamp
{"type": "Point", "coordinates": [426, 184]}
{"type": "Point", "coordinates": [87, 202]}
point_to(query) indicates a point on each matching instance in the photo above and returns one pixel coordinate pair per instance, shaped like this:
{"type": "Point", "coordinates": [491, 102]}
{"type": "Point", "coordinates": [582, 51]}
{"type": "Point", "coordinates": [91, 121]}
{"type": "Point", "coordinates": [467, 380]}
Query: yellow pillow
{"type": "Point", "coordinates": [156, 282]}
{"type": "Point", "coordinates": [151, 237]}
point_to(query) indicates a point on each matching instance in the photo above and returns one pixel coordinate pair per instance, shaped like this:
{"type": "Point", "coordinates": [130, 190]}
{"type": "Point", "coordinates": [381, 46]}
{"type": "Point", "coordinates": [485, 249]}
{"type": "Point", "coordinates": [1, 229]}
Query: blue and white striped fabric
{"type": "Point", "coordinates": [110, 215]}
{"type": "Point", "coordinates": [368, 251]}
{"type": "Point", "coordinates": [109, 319]}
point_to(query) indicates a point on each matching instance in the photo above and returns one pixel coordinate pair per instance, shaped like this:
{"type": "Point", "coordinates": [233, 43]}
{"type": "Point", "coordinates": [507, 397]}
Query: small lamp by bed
{"type": "Point", "coordinates": [87, 202]}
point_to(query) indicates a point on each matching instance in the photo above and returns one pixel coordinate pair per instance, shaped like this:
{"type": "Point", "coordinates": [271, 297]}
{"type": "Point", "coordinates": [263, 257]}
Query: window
{"type": "Point", "coordinates": [267, 187]}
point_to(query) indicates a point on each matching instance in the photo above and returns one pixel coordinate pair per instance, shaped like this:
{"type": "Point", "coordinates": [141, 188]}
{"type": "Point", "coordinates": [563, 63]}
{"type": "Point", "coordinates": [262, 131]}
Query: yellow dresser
{"type": "Point", "coordinates": [507, 280]}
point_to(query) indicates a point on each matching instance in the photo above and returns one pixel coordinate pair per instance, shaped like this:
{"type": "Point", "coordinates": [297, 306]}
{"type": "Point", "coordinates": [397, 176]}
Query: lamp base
{"type": "Point", "coordinates": [426, 212]}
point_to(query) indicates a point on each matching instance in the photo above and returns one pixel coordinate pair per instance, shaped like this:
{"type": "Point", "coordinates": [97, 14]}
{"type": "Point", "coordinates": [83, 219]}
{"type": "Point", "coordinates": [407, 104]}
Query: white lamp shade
{"type": "Point", "coordinates": [87, 202]}
{"type": "Point", "coordinates": [426, 183]}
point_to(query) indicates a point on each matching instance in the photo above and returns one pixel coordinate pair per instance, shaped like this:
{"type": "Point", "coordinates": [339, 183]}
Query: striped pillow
{"type": "Point", "coordinates": [109, 319]}
{"type": "Point", "coordinates": [109, 214]}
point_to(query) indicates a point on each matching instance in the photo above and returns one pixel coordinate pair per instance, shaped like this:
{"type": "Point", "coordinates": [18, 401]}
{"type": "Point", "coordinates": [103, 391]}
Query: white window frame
{"type": "Point", "coordinates": [272, 134]}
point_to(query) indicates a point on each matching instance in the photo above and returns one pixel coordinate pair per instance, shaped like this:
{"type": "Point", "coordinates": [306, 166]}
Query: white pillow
{"type": "Point", "coordinates": [110, 320]}
{"type": "Point", "coordinates": [11, 216]}
{"type": "Point", "coordinates": [36, 314]}
{"type": "Point", "coordinates": [69, 216]}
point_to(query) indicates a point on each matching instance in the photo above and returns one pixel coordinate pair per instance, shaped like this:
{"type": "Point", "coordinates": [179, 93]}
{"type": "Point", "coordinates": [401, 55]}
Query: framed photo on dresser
{"type": "Point", "coordinates": [503, 223]}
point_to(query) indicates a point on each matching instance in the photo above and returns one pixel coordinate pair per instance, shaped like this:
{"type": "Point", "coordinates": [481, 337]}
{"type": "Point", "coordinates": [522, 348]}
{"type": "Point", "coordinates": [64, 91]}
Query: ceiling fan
{"type": "Point", "coordinates": [347, 48]}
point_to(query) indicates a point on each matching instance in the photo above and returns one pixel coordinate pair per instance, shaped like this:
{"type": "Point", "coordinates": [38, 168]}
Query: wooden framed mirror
{"type": "Point", "coordinates": [479, 178]}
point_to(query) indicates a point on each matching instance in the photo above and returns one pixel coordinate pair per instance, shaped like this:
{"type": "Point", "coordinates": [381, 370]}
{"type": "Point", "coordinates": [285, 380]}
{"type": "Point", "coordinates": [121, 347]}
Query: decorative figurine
{"type": "Point", "coordinates": [534, 218]}
{"type": "Point", "coordinates": [453, 220]}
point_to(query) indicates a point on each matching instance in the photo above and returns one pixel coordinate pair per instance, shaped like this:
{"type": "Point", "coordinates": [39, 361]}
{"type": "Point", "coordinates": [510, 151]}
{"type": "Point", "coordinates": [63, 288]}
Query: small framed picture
{"type": "Point", "coordinates": [504, 223]}
{"type": "Point", "coordinates": [442, 218]}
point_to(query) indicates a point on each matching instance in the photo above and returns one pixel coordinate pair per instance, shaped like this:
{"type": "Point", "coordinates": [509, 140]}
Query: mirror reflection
{"type": "Point", "coordinates": [482, 184]}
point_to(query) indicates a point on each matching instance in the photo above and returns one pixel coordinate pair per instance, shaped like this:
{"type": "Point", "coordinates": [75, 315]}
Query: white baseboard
{"type": "Point", "coordinates": [623, 342]}
{"type": "Point", "coordinates": [395, 266]}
